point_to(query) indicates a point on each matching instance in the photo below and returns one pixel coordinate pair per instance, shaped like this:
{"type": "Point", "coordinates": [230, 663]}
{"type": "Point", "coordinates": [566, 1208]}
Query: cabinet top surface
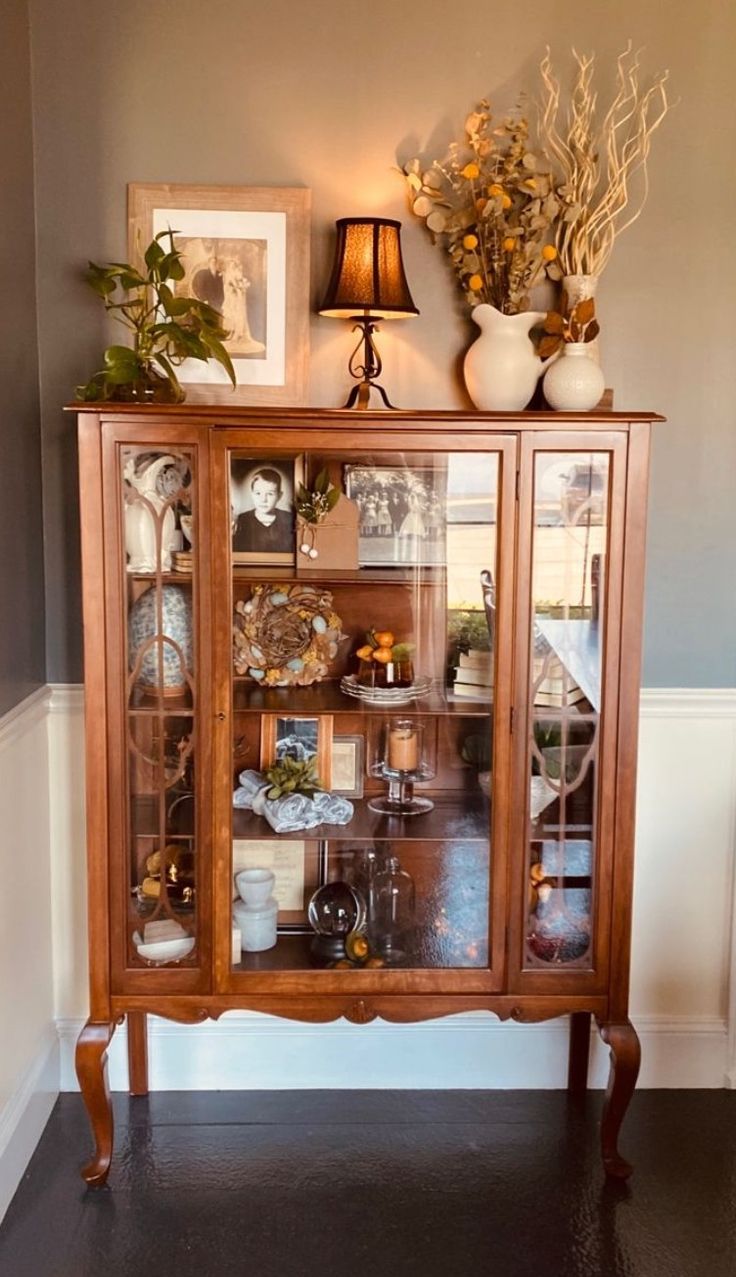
{"type": "Point", "coordinates": [226, 415]}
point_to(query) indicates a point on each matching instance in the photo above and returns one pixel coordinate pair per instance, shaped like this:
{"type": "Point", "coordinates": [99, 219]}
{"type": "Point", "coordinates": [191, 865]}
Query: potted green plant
{"type": "Point", "coordinates": [167, 328]}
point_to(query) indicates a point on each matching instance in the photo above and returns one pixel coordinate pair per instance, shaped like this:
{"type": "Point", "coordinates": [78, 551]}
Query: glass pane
{"type": "Point", "coordinates": [570, 541]}
{"type": "Point", "coordinates": [363, 672]}
{"type": "Point", "coordinates": [159, 529]}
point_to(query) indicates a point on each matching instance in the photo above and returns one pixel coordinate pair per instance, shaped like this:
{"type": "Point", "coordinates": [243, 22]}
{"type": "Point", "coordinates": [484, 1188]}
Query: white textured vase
{"type": "Point", "coordinates": [574, 382]}
{"type": "Point", "coordinates": [502, 367]}
{"type": "Point", "coordinates": [576, 289]}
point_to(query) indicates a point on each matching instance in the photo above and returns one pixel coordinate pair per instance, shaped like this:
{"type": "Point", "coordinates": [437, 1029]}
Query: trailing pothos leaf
{"type": "Point", "coordinates": [315, 503]}
{"type": "Point", "coordinates": [167, 328]}
{"type": "Point", "coordinates": [576, 325]}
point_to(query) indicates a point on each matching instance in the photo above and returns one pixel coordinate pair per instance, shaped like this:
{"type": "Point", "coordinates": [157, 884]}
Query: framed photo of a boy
{"type": "Point", "coordinates": [262, 510]}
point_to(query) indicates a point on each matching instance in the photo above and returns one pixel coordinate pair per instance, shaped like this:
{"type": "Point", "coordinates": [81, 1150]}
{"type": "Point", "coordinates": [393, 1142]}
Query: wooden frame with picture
{"type": "Point", "coordinates": [348, 766]}
{"type": "Point", "coordinates": [298, 736]}
{"type": "Point", "coordinates": [246, 252]}
{"type": "Point", "coordinates": [263, 508]}
{"type": "Point", "coordinates": [299, 867]}
{"type": "Point", "coordinates": [402, 513]}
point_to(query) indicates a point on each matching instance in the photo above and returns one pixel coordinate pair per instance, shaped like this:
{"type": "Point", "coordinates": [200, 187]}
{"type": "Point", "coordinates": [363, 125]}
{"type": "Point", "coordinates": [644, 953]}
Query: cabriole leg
{"type": "Point", "coordinates": [91, 1065]}
{"type": "Point", "coordinates": [625, 1060]}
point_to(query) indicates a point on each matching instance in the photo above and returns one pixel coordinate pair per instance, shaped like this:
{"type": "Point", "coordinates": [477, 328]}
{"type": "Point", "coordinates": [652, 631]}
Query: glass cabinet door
{"type": "Point", "coordinates": [362, 656]}
{"type": "Point", "coordinates": [157, 887]}
{"type": "Point", "coordinates": [567, 829]}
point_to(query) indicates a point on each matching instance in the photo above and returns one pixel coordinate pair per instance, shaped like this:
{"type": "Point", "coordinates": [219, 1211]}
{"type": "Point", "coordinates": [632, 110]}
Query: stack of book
{"type": "Point", "coordinates": [182, 560]}
{"type": "Point", "coordinates": [474, 674]}
{"type": "Point", "coordinates": [557, 689]}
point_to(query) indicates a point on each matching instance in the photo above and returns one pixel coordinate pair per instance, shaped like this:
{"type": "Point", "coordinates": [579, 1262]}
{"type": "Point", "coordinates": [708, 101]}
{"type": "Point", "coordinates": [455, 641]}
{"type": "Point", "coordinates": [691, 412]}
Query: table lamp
{"type": "Point", "coordinates": [367, 284]}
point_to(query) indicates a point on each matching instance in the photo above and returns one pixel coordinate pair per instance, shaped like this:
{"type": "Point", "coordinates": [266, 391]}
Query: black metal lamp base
{"type": "Point", "coordinates": [368, 369]}
{"type": "Point", "coordinates": [360, 395]}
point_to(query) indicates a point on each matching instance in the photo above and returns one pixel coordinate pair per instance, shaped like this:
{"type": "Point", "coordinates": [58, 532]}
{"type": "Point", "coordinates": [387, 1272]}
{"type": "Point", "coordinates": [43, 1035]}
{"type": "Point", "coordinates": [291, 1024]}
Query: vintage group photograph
{"type": "Point", "coordinates": [402, 515]}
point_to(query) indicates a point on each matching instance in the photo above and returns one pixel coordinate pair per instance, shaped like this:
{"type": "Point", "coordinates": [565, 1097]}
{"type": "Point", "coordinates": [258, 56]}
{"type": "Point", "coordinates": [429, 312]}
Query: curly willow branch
{"type": "Point", "coordinates": [596, 166]}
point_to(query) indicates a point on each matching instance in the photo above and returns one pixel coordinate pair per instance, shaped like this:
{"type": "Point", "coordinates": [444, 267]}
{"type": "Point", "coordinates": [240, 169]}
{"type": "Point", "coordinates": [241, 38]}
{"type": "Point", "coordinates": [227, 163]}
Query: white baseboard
{"type": "Point", "coordinates": [250, 1051]}
{"type": "Point", "coordinates": [25, 1114]}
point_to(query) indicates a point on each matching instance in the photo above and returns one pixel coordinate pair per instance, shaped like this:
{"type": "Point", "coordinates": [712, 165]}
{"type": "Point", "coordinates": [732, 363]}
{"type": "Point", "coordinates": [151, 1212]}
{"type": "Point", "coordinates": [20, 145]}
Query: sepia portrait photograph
{"type": "Point", "coordinates": [231, 276]}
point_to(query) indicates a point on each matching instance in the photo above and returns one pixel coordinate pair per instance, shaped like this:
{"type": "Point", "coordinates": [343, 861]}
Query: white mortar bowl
{"type": "Point", "coordinates": [255, 886]}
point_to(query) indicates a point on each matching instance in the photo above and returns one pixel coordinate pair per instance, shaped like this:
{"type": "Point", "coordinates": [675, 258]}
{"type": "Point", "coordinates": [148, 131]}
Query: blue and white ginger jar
{"type": "Point", "coordinates": [164, 666]}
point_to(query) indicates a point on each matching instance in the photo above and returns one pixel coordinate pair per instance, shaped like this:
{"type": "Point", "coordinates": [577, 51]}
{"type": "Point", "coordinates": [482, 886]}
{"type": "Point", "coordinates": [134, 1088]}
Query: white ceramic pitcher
{"type": "Point", "coordinates": [502, 367]}
{"type": "Point", "coordinates": [142, 516]}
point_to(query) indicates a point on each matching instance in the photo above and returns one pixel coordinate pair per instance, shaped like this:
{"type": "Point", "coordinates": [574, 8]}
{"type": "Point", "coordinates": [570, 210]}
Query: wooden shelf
{"type": "Point", "coordinates": [566, 713]}
{"type": "Point", "coordinates": [166, 578]}
{"type": "Point", "coordinates": [146, 704]}
{"type": "Point", "coordinates": [326, 698]}
{"type": "Point", "coordinates": [463, 819]}
{"type": "Point", "coordinates": [293, 953]}
{"type": "Point", "coordinates": [422, 576]}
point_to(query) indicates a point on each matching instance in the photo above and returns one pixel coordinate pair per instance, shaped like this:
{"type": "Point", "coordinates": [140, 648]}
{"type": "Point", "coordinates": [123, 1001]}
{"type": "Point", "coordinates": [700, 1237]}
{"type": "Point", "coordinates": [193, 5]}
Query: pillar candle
{"type": "Point", "coordinates": [403, 752]}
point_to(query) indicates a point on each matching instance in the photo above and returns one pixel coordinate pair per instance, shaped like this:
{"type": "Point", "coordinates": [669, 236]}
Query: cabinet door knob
{"type": "Point", "coordinates": [221, 716]}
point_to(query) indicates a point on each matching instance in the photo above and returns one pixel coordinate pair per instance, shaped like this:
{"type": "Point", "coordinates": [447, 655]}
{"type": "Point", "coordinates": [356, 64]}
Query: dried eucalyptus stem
{"type": "Point", "coordinates": [596, 164]}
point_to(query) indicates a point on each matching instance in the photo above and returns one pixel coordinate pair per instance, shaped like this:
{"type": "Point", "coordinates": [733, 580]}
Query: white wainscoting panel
{"type": "Point", "coordinates": [29, 1069]}
{"type": "Point", "coordinates": [26, 1112]}
{"type": "Point", "coordinates": [683, 919]}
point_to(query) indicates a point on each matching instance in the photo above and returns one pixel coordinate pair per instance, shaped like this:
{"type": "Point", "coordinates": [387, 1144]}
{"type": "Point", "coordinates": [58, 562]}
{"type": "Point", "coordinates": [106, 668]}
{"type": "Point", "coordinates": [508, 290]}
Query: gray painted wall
{"type": "Point", "coordinates": [328, 96]}
{"type": "Point", "coordinates": [21, 524]}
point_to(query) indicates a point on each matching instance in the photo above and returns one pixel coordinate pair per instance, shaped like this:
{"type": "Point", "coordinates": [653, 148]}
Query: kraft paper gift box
{"type": "Point", "coordinates": [335, 539]}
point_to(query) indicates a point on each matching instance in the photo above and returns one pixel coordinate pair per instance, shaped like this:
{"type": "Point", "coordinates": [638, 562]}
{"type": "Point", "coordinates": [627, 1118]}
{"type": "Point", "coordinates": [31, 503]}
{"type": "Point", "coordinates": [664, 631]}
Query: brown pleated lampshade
{"type": "Point", "coordinates": [368, 274]}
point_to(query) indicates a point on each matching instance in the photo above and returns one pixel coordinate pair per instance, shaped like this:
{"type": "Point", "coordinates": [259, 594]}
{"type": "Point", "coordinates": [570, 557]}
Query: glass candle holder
{"type": "Point", "coordinates": [404, 753]}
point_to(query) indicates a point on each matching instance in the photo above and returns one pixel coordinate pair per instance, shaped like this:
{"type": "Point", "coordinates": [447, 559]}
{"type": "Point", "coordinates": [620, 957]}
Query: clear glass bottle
{"type": "Point", "coordinates": [367, 866]}
{"type": "Point", "coordinates": [395, 911]}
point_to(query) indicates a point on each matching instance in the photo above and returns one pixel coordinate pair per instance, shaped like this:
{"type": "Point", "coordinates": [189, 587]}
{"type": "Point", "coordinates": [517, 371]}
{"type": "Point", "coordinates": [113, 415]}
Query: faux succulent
{"type": "Point", "coordinates": [167, 327]}
{"type": "Point", "coordinates": [290, 776]}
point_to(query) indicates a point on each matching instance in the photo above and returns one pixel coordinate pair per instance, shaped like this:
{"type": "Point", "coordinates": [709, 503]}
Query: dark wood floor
{"type": "Point", "coordinates": [361, 1184]}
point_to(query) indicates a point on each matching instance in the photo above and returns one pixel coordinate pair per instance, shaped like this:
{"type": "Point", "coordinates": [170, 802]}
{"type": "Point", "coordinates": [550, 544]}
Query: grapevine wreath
{"type": "Point", "coordinates": [284, 636]}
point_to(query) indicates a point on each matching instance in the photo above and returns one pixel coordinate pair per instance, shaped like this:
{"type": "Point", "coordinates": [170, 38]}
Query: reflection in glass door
{"type": "Point", "coordinates": [569, 554]}
{"type": "Point", "coordinates": [159, 517]}
{"type": "Point", "coordinates": [367, 670]}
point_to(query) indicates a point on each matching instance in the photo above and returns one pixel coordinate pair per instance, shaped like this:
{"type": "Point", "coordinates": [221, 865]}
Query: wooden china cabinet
{"type": "Point", "coordinates": [506, 552]}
